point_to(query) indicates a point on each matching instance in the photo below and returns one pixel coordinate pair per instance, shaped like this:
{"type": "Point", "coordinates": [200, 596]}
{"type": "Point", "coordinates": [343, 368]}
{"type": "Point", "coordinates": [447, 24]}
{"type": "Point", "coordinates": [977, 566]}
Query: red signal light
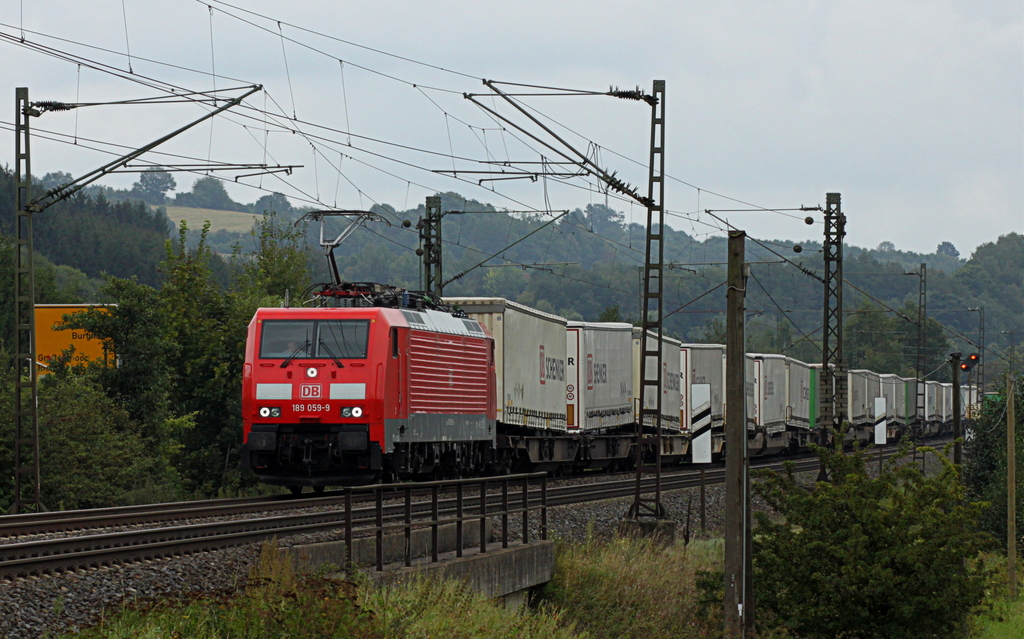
{"type": "Point", "coordinates": [970, 362]}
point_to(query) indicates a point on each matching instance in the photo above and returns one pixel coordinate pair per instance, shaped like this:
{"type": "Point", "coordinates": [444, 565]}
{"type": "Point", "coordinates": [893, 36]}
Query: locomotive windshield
{"type": "Point", "coordinates": [314, 339]}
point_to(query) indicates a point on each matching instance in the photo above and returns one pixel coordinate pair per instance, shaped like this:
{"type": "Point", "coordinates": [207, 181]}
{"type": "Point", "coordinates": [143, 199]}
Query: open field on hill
{"type": "Point", "coordinates": [227, 220]}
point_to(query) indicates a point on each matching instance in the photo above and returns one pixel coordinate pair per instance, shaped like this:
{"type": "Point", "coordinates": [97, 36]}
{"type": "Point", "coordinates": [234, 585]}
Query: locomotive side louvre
{"type": "Point", "coordinates": [529, 357]}
{"type": "Point", "coordinates": [447, 379]}
{"type": "Point", "coordinates": [599, 383]}
{"type": "Point", "coordinates": [669, 380]}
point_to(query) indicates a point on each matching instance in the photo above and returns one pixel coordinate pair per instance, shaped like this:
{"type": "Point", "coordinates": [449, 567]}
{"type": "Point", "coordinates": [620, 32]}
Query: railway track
{"type": "Point", "coordinates": [147, 539]}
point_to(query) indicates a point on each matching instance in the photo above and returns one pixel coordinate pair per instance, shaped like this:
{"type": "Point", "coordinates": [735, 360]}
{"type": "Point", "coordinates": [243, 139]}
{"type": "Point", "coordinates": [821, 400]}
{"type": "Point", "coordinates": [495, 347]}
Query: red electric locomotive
{"type": "Point", "coordinates": [347, 394]}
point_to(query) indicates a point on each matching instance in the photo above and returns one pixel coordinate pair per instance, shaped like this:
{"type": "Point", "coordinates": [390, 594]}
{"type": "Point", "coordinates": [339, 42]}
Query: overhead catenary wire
{"type": "Point", "coordinates": [451, 154]}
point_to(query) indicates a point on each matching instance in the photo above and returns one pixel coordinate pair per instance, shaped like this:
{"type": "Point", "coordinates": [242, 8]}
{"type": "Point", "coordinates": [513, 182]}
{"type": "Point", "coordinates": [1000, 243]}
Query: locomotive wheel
{"type": "Point", "coordinates": [319, 490]}
{"type": "Point", "coordinates": [295, 490]}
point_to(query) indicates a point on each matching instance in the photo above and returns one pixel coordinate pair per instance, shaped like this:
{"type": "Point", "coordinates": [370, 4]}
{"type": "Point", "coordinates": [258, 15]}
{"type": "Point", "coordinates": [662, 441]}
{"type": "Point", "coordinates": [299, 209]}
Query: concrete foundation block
{"type": "Point", "coordinates": [504, 572]}
{"type": "Point", "coordinates": [310, 557]}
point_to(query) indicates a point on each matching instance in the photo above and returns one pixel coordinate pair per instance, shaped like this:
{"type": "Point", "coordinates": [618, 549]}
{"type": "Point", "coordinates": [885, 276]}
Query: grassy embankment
{"type": "Point", "coordinates": [610, 590]}
{"type": "Point", "coordinates": [227, 220]}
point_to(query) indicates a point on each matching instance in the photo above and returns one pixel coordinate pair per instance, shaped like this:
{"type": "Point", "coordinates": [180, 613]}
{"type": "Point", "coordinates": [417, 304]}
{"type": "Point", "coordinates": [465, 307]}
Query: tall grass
{"type": "Point", "coordinates": [276, 604]}
{"type": "Point", "coordinates": [634, 589]}
{"type": "Point", "coordinates": [1004, 621]}
{"type": "Point", "coordinates": [449, 610]}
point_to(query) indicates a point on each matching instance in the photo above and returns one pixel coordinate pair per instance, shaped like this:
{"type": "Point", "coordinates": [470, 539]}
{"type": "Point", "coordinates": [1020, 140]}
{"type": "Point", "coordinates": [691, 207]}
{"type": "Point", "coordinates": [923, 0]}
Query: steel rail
{"type": "Point", "coordinates": [89, 551]}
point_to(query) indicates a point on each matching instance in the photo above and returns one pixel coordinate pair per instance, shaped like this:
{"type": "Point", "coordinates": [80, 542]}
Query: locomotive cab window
{"type": "Point", "coordinates": [314, 339]}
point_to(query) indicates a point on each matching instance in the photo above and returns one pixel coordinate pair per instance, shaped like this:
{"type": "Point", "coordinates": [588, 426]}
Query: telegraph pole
{"type": "Point", "coordinates": [1011, 473]}
{"type": "Point", "coordinates": [739, 585]}
{"type": "Point", "coordinates": [922, 336]}
{"type": "Point", "coordinates": [832, 390]}
{"type": "Point", "coordinates": [954, 362]}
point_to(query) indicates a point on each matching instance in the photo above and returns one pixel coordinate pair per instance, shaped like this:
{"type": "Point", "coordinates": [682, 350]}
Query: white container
{"type": "Point", "coordinates": [529, 358]}
{"type": "Point", "coordinates": [947, 402]}
{"type": "Point", "coordinates": [860, 405]}
{"type": "Point", "coordinates": [872, 391]}
{"type": "Point", "coordinates": [909, 406]}
{"type": "Point", "coordinates": [890, 387]}
{"type": "Point", "coordinates": [668, 377]}
{"type": "Point", "coordinates": [799, 393]}
{"type": "Point", "coordinates": [706, 379]}
{"type": "Point", "coordinates": [773, 394]}
{"type": "Point", "coordinates": [932, 401]}
{"type": "Point", "coordinates": [599, 375]}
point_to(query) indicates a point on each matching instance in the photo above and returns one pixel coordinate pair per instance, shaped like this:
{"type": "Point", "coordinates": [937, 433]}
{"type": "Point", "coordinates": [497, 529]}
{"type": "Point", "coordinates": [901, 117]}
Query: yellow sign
{"type": "Point", "coordinates": [50, 342]}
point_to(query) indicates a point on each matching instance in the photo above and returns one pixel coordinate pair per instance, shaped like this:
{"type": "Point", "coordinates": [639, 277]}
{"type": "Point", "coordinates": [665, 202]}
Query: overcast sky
{"type": "Point", "coordinates": [913, 111]}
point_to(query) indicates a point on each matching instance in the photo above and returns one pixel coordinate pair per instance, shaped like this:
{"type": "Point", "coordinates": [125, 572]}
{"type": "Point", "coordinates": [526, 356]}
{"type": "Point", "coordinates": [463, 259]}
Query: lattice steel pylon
{"type": "Point", "coordinates": [653, 312]}
{"type": "Point", "coordinates": [430, 244]}
{"type": "Point", "coordinates": [832, 389]}
{"type": "Point", "coordinates": [26, 417]}
{"type": "Point", "coordinates": [922, 331]}
{"type": "Point", "coordinates": [26, 411]}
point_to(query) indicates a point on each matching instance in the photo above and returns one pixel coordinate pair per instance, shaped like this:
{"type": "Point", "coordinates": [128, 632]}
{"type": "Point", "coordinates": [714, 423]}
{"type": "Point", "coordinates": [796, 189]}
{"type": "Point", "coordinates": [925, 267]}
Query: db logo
{"type": "Point", "coordinates": [311, 391]}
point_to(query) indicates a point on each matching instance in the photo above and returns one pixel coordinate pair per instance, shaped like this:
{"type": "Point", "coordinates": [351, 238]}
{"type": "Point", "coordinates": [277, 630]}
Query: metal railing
{"type": "Point", "coordinates": [435, 504]}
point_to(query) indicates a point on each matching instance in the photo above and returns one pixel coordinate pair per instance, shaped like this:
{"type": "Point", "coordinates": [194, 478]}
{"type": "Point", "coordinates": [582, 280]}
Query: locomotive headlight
{"type": "Point", "coordinates": [351, 411]}
{"type": "Point", "coordinates": [268, 411]}
{"type": "Point", "coordinates": [312, 372]}
{"type": "Point", "coordinates": [264, 412]}
{"type": "Point", "coordinates": [275, 412]}
{"type": "Point", "coordinates": [357, 412]}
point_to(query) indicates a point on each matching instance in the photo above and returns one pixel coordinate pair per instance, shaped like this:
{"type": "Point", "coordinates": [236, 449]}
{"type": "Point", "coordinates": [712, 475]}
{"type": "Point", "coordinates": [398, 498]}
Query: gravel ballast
{"type": "Point", "coordinates": [63, 603]}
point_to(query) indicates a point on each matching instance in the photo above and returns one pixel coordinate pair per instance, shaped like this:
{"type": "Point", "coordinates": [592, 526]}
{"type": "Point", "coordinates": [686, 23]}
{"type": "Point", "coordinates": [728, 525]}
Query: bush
{"type": "Point", "coordinates": [893, 557]}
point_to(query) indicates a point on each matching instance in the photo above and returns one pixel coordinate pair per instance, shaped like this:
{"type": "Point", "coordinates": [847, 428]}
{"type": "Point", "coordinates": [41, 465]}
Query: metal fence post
{"type": "Point", "coordinates": [544, 507]}
{"type": "Point", "coordinates": [504, 513]}
{"type": "Point", "coordinates": [380, 528]}
{"type": "Point", "coordinates": [348, 529]}
{"type": "Point", "coordinates": [483, 516]}
{"type": "Point", "coordinates": [408, 526]}
{"type": "Point", "coordinates": [433, 523]}
{"type": "Point", "coordinates": [458, 522]}
{"type": "Point", "coordinates": [526, 509]}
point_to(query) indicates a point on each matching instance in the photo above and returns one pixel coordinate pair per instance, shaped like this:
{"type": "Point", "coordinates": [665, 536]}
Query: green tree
{"type": "Point", "coordinates": [208, 193]}
{"type": "Point", "coordinates": [152, 186]}
{"type": "Point", "coordinates": [895, 557]}
{"type": "Point", "coordinates": [985, 467]}
{"type": "Point", "coordinates": [610, 314]}
{"type": "Point", "coordinates": [93, 454]}
{"type": "Point", "coordinates": [273, 203]}
{"type": "Point", "coordinates": [279, 261]}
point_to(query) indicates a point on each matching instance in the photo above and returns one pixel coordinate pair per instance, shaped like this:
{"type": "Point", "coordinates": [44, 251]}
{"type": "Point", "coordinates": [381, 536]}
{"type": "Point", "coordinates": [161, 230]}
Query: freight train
{"type": "Point", "coordinates": [377, 383]}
